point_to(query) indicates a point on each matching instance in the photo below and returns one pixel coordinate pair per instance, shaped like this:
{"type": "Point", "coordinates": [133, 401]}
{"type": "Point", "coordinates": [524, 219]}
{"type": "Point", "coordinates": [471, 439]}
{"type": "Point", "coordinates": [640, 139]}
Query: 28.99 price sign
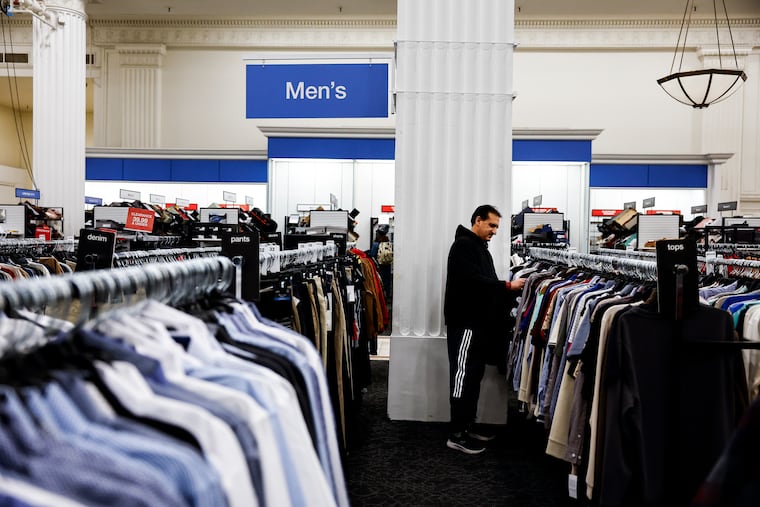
{"type": "Point", "coordinates": [140, 220]}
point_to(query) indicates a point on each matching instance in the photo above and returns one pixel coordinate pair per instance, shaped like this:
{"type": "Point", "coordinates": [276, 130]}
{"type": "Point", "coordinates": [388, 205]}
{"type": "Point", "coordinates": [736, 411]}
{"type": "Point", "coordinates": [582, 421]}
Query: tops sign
{"type": "Point", "coordinates": [317, 91]}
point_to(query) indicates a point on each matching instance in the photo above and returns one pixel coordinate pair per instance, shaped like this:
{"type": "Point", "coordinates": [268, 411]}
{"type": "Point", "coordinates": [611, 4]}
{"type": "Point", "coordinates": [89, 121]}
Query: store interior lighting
{"type": "Point", "coordinates": [703, 87]}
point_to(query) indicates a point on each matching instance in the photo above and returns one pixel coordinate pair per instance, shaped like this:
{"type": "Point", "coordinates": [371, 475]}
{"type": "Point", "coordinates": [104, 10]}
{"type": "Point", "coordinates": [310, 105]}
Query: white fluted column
{"type": "Point", "coordinates": [59, 110]}
{"type": "Point", "coordinates": [453, 153]}
{"type": "Point", "coordinates": [141, 95]}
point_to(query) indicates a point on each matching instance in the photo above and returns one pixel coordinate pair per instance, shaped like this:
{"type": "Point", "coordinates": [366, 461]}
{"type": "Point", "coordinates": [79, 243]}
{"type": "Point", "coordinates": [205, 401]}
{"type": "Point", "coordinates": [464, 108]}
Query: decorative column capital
{"type": "Point", "coordinates": [141, 55]}
{"type": "Point", "coordinates": [710, 56]}
{"type": "Point", "coordinates": [74, 6]}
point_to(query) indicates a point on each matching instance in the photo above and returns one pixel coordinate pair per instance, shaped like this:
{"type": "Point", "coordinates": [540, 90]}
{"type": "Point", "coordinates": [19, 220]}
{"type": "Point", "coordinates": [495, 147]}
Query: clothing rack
{"type": "Point", "coordinates": [746, 268]}
{"type": "Point", "coordinates": [23, 245]}
{"type": "Point", "coordinates": [274, 262]}
{"type": "Point", "coordinates": [625, 253]}
{"type": "Point", "coordinates": [172, 283]}
{"type": "Point", "coordinates": [167, 254]}
{"type": "Point", "coordinates": [644, 270]}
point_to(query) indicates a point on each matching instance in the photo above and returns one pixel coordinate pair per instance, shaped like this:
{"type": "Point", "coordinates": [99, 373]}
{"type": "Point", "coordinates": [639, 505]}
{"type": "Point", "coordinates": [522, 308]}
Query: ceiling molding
{"type": "Point", "coordinates": [573, 24]}
{"type": "Point", "coordinates": [555, 134]}
{"type": "Point", "coordinates": [364, 23]}
{"type": "Point", "coordinates": [604, 36]}
{"type": "Point", "coordinates": [175, 153]}
{"type": "Point", "coordinates": [648, 158]}
{"type": "Point", "coordinates": [331, 132]}
{"type": "Point", "coordinates": [248, 33]}
{"type": "Point", "coordinates": [390, 133]}
{"type": "Point", "coordinates": [538, 34]}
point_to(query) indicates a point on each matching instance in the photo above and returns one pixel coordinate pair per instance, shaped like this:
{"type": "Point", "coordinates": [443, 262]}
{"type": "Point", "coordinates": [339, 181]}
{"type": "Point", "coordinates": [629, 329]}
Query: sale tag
{"type": "Point", "coordinates": [140, 220]}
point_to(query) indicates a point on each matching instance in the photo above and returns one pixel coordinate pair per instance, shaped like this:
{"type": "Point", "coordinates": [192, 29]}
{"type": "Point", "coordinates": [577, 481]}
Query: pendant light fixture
{"type": "Point", "coordinates": [700, 88]}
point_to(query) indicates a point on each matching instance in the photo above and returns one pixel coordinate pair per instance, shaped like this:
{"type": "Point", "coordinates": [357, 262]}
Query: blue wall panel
{"type": "Point", "coordinates": [528, 150]}
{"type": "Point", "coordinates": [678, 176]}
{"type": "Point", "coordinates": [195, 170]}
{"type": "Point", "coordinates": [147, 169]}
{"type": "Point", "coordinates": [248, 171]}
{"type": "Point", "coordinates": [648, 176]}
{"type": "Point", "coordinates": [104, 169]}
{"type": "Point", "coordinates": [619, 175]}
{"type": "Point", "coordinates": [332, 148]}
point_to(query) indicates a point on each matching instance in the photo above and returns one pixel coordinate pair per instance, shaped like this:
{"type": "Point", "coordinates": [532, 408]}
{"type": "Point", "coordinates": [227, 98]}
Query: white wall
{"type": "Point", "coordinates": [364, 185]}
{"type": "Point", "coordinates": [204, 103]}
{"type": "Point", "coordinates": [12, 178]}
{"type": "Point", "coordinates": [611, 90]}
{"type": "Point", "coordinates": [563, 186]}
{"type": "Point", "coordinates": [374, 183]}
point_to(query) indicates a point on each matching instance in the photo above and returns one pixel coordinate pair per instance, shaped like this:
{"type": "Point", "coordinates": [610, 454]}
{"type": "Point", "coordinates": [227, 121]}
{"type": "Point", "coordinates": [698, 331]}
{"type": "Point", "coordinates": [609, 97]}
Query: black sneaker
{"type": "Point", "coordinates": [463, 442]}
{"type": "Point", "coordinates": [481, 435]}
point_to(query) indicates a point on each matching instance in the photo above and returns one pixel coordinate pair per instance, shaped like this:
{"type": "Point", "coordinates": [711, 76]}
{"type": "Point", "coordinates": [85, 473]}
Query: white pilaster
{"type": "Point", "coordinates": [750, 155]}
{"type": "Point", "coordinates": [59, 110]}
{"type": "Point", "coordinates": [453, 153]}
{"type": "Point", "coordinates": [722, 127]}
{"type": "Point", "coordinates": [141, 95]}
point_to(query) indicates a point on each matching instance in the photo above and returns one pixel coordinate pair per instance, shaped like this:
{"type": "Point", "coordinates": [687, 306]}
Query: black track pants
{"type": "Point", "coordinates": [467, 363]}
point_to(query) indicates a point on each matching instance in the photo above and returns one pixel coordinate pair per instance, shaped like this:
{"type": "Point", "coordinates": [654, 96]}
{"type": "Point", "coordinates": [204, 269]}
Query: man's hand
{"type": "Point", "coordinates": [517, 284]}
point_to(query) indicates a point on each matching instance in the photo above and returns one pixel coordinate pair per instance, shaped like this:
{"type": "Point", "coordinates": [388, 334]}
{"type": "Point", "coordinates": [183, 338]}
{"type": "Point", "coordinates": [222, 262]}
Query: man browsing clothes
{"type": "Point", "coordinates": [476, 307]}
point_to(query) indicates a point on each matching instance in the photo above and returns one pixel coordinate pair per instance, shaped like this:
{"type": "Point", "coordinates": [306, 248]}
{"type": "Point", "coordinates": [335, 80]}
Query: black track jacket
{"type": "Point", "coordinates": [475, 297]}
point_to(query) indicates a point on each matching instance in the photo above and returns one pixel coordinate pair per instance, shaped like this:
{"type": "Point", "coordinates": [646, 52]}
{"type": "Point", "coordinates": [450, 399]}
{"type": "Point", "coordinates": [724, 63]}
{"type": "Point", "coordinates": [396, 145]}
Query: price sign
{"type": "Point", "coordinates": [139, 220]}
{"type": "Point", "coordinates": [157, 199]}
{"type": "Point", "coordinates": [131, 195]}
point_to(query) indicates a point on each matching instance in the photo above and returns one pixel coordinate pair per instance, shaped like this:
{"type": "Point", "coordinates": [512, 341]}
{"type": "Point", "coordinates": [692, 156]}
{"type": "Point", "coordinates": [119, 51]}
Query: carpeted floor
{"type": "Point", "coordinates": [408, 464]}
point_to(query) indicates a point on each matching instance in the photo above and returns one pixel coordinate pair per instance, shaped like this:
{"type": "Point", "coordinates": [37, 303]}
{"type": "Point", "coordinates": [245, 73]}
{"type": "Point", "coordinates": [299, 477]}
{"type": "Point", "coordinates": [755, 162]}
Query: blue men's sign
{"type": "Point", "coordinates": [317, 91]}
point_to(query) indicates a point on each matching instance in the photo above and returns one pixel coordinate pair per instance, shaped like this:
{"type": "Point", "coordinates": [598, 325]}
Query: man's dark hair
{"type": "Point", "coordinates": [482, 211]}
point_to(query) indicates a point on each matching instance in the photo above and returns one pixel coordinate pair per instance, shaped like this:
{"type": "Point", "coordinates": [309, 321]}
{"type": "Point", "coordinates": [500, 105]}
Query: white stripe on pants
{"type": "Point", "coordinates": [464, 349]}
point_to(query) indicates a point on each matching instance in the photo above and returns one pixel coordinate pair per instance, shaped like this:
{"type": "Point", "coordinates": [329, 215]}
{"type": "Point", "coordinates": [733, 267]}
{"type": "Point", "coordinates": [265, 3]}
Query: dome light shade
{"type": "Point", "coordinates": [700, 88]}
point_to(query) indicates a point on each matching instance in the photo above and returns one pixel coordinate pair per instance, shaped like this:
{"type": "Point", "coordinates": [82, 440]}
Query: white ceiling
{"type": "Point", "coordinates": [524, 9]}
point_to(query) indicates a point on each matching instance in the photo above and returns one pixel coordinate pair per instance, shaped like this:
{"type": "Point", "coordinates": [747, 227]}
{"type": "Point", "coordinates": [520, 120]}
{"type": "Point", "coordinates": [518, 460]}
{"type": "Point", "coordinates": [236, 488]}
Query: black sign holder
{"type": "Point", "coordinates": [272, 237]}
{"type": "Point", "coordinates": [243, 249]}
{"type": "Point", "coordinates": [95, 249]}
{"type": "Point", "coordinates": [677, 295]}
{"type": "Point", "coordinates": [341, 240]}
{"type": "Point", "coordinates": [677, 280]}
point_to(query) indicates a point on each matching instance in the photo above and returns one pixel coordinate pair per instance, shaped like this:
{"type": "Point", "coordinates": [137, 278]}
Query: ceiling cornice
{"type": "Point", "coordinates": [363, 33]}
{"type": "Point", "coordinates": [556, 134]}
{"type": "Point", "coordinates": [175, 153]}
{"type": "Point", "coordinates": [381, 23]}
{"type": "Point", "coordinates": [653, 158]}
{"type": "Point", "coordinates": [329, 132]}
{"type": "Point", "coordinates": [574, 24]}
{"type": "Point", "coordinates": [390, 23]}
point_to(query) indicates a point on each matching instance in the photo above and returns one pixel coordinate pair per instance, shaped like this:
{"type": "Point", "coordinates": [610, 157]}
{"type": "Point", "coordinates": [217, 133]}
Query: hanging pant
{"type": "Point", "coordinates": [467, 364]}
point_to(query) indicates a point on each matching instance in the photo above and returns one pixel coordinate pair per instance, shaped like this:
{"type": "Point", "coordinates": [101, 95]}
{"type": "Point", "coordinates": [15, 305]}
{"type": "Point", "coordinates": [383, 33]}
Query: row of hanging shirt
{"type": "Point", "coordinates": [29, 258]}
{"type": "Point", "coordinates": [639, 414]}
{"type": "Point", "coordinates": [207, 404]}
{"type": "Point", "coordinates": [735, 288]}
{"type": "Point", "coordinates": [336, 303]}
